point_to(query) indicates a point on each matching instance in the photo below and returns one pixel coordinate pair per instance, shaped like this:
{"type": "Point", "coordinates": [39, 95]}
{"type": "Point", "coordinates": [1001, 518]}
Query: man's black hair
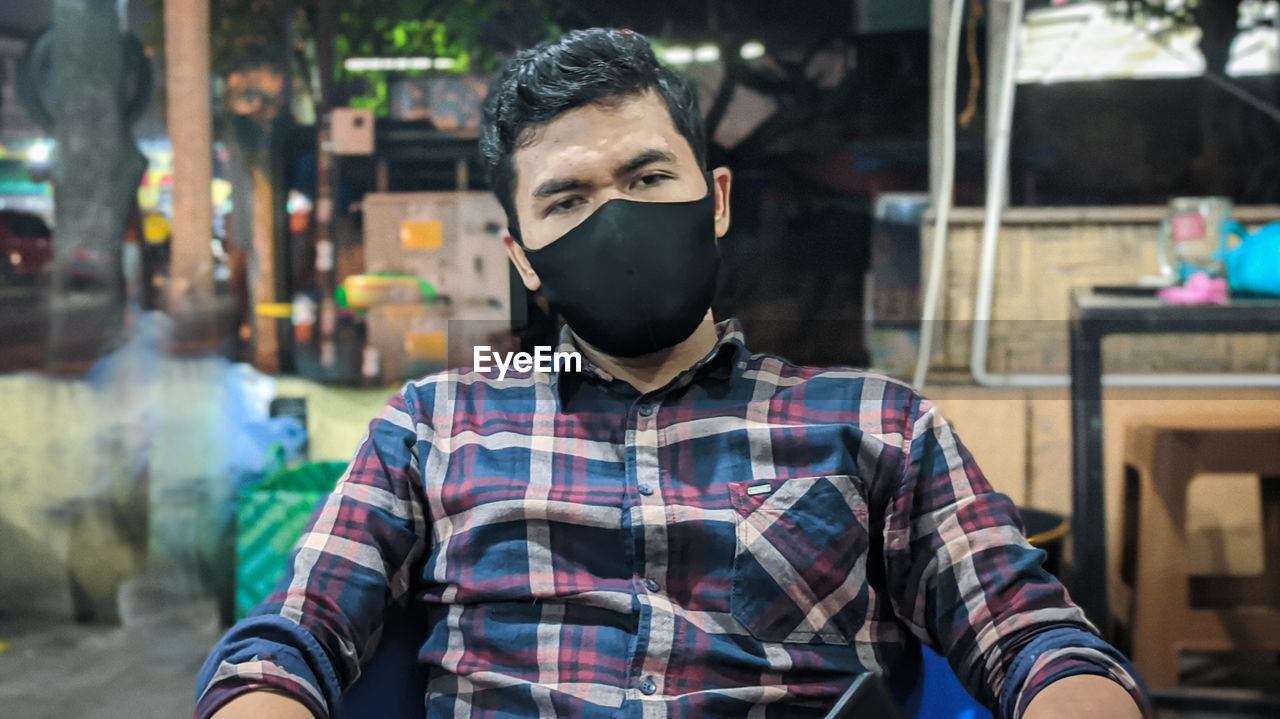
{"type": "Point", "coordinates": [583, 67]}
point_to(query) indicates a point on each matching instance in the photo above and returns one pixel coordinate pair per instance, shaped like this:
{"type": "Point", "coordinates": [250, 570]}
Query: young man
{"type": "Point", "coordinates": [683, 528]}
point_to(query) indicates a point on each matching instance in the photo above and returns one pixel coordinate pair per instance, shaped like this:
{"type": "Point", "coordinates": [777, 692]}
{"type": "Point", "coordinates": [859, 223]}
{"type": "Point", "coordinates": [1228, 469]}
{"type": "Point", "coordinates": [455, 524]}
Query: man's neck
{"type": "Point", "coordinates": [652, 371]}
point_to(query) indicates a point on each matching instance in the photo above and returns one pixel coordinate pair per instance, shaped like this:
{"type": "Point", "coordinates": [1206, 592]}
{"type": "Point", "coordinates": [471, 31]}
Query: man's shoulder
{"type": "Point", "coordinates": [466, 384]}
{"type": "Point", "coordinates": [839, 379]}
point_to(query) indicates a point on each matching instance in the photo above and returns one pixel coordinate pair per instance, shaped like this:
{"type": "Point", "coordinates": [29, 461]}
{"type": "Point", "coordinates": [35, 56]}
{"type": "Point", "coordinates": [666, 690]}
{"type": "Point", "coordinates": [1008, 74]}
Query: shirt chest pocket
{"type": "Point", "coordinates": [799, 567]}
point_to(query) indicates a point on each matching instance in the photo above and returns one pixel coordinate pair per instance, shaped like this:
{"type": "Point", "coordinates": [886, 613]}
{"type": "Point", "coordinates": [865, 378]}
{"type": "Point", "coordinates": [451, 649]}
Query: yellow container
{"type": "Point", "coordinates": [365, 291]}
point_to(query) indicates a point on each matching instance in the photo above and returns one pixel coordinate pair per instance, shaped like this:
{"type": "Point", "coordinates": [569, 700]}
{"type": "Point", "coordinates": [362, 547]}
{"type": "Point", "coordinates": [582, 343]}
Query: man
{"type": "Point", "coordinates": [683, 528]}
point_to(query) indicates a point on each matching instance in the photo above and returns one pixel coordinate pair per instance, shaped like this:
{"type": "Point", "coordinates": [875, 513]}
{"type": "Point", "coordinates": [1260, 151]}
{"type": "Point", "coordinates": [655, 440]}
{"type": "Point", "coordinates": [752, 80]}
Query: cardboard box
{"type": "Point", "coordinates": [352, 131]}
{"type": "Point", "coordinates": [453, 240]}
{"type": "Point", "coordinates": [411, 340]}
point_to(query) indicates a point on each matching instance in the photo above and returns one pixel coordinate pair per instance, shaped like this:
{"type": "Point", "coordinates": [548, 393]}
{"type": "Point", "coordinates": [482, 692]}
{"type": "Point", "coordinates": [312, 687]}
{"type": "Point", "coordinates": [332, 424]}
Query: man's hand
{"type": "Point", "coordinates": [257, 705]}
{"type": "Point", "coordinates": [1083, 696]}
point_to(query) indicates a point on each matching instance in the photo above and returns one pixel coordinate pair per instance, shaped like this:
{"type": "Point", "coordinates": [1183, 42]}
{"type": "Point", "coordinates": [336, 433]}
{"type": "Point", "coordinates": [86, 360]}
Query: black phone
{"type": "Point", "coordinates": [866, 698]}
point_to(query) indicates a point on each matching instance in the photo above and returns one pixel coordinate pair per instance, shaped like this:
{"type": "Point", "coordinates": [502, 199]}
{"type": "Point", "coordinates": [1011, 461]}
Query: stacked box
{"type": "Point", "coordinates": [453, 240]}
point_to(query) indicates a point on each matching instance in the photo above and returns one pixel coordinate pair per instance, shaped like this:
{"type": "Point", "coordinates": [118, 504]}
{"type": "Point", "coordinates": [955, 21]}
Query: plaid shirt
{"type": "Point", "coordinates": [741, 542]}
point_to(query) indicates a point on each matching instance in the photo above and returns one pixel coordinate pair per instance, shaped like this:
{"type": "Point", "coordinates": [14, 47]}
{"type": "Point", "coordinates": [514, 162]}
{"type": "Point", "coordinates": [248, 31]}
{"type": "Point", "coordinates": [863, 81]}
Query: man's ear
{"type": "Point", "coordinates": [722, 180]}
{"type": "Point", "coordinates": [516, 253]}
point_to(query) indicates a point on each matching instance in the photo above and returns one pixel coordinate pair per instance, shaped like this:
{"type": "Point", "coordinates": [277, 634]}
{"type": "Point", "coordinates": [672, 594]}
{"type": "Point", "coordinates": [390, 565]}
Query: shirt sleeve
{"type": "Point", "coordinates": [308, 639]}
{"type": "Point", "coordinates": [964, 580]}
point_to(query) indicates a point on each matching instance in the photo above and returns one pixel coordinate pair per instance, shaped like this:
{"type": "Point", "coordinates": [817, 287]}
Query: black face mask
{"type": "Point", "coordinates": [634, 277]}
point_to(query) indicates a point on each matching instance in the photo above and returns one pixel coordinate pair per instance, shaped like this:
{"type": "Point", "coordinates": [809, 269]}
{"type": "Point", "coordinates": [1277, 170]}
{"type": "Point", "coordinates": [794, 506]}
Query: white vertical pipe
{"type": "Point", "coordinates": [943, 199]}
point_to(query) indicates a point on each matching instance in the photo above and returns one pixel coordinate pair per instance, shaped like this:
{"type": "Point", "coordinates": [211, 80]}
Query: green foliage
{"type": "Point", "coordinates": [360, 35]}
{"type": "Point", "coordinates": [253, 31]}
{"type": "Point", "coordinates": [454, 29]}
{"type": "Point", "coordinates": [1166, 15]}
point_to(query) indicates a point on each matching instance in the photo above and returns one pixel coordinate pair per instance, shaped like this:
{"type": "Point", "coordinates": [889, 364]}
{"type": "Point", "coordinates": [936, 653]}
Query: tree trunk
{"type": "Point", "coordinates": [190, 121]}
{"type": "Point", "coordinates": [264, 269]}
{"type": "Point", "coordinates": [95, 178]}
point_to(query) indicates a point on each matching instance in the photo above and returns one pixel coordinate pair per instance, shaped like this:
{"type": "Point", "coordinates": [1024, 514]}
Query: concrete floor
{"type": "Point", "coordinates": [55, 669]}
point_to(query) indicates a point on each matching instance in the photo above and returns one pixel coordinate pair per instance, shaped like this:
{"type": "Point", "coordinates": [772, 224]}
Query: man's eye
{"type": "Point", "coordinates": [564, 205]}
{"type": "Point", "coordinates": [652, 179]}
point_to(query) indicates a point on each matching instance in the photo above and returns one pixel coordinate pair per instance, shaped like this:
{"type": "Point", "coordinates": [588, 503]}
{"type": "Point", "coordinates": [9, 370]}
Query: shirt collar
{"type": "Point", "coordinates": [717, 363]}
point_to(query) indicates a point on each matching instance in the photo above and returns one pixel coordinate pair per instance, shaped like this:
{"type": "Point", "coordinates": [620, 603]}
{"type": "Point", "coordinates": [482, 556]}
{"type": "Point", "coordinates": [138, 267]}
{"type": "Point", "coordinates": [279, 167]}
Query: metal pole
{"type": "Point", "coordinates": [942, 164]}
{"type": "Point", "coordinates": [941, 18]}
{"type": "Point", "coordinates": [1001, 31]}
{"type": "Point", "coordinates": [326, 31]}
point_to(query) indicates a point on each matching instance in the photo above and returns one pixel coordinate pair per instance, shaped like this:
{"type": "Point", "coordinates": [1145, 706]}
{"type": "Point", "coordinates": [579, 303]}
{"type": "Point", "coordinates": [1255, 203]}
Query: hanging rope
{"type": "Point", "coordinates": [976, 11]}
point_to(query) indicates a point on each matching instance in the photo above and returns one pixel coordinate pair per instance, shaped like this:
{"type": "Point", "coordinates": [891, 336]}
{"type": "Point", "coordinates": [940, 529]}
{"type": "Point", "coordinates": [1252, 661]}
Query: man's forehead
{"type": "Point", "coordinates": [580, 155]}
{"type": "Point", "coordinates": [596, 138]}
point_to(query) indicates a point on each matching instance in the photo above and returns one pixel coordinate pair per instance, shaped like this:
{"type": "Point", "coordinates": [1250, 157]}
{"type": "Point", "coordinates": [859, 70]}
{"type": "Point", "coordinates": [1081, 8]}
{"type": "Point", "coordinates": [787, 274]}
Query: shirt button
{"type": "Point", "coordinates": [646, 489]}
{"type": "Point", "coordinates": [651, 585]}
{"type": "Point", "coordinates": [646, 409]}
{"type": "Point", "coordinates": [648, 687]}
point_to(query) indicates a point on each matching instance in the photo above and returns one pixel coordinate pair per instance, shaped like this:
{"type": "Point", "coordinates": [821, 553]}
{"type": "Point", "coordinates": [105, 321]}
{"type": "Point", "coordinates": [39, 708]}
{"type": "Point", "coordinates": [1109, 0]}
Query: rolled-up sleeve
{"type": "Point", "coordinates": [307, 640]}
{"type": "Point", "coordinates": [965, 581]}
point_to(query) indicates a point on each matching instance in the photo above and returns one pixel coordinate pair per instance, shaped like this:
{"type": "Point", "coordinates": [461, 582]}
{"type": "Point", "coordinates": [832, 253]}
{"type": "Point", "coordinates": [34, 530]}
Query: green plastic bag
{"type": "Point", "coordinates": [270, 518]}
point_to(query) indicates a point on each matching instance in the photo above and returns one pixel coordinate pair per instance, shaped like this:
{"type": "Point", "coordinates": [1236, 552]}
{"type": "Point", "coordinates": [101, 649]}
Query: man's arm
{"type": "Point", "coordinates": [258, 704]}
{"type": "Point", "coordinates": [1083, 695]}
{"type": "Point", "coordinates": [966, 582]}
{"type": "Point", "coordinates": [304, 644]}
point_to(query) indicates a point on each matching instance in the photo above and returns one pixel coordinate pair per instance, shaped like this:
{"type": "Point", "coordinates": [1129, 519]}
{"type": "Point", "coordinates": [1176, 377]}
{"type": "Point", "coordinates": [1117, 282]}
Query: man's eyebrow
{"type": "Point", "coordinates": [555, 186]}
{"type": "Point", "coordinates": [645, 157]}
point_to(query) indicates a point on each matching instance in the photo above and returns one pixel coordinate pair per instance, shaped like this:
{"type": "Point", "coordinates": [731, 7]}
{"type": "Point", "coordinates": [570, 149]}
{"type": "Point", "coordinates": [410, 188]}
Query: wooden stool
{"type": "Point", "coordinates": [1170, 612]}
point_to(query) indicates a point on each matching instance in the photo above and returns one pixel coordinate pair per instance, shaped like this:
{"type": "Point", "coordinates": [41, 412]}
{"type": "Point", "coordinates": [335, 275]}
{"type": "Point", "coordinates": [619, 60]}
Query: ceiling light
{"type": "Point", "coordinates": [752, 50]}
{"type": "Point", "coordinates": [372, 64]}
{"type": "Point", "coordinates": [707, 53]}
{"type": "Point", "coordinates": [678, 55]}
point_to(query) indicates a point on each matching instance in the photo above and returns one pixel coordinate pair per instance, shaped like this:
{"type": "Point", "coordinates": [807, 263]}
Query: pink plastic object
{"type": "Point", "coordinates": [1200, 289]}
{"type": "Point", "coordinates": [1188, 227]}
